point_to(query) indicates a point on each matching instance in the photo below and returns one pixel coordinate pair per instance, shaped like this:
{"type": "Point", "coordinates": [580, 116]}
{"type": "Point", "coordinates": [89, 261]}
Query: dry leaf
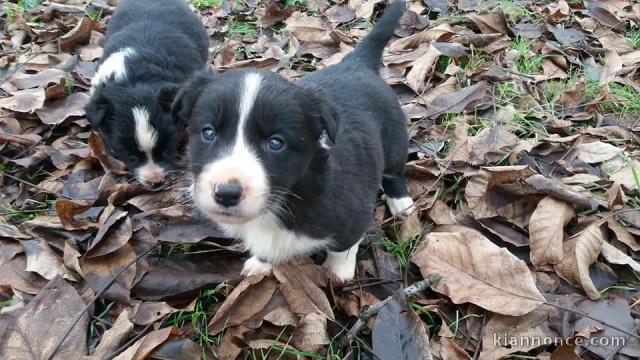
{"type": "Point", "coordinates": [473, 269]}
{"type": "Point", "coordinates": [546, 229]}
{"type": "Point", "coordinates": [580, 251]}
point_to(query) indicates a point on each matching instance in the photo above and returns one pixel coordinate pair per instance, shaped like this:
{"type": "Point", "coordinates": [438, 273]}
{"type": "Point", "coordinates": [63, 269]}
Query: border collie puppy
{"type": "Point", "coordinates": [151, 47]}
{"type": "Point", "coordinates": [292, 169]}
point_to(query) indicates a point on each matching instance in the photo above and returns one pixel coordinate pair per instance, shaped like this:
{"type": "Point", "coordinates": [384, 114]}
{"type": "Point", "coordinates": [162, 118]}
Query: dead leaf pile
{"type": "Point", "coordinates": [523, 164]}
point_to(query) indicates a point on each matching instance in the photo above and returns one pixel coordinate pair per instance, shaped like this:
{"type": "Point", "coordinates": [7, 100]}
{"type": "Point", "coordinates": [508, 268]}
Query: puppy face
{"type": "Point", "coordinates": [136, 125]}
{"type": "Point", "coordinates": [253, 136]}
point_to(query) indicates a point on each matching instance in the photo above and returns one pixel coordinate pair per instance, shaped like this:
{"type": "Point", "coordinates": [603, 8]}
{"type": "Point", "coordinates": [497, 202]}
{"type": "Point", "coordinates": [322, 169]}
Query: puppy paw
{"type": "Point", "coordinates": [253, 266]}
{"type": "Point", "coordinates": [341, 269]}
{"type": "Point", "coordinates": [400, 206]}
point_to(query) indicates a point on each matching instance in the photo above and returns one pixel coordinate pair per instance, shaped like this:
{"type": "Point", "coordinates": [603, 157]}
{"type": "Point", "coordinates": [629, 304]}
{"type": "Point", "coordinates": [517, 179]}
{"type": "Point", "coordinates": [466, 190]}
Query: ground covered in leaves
{"type": "Point", "coordinates": [524, 164]}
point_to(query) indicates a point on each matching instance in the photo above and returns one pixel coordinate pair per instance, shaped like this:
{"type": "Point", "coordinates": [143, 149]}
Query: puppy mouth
{"type": "Point", "coordinates": [228, 217]}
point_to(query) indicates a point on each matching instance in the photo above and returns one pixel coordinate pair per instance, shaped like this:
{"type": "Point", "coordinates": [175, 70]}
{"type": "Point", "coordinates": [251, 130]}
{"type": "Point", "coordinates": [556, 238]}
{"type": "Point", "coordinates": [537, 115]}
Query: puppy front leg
{"type": "Point", "coordinates": [342, 265]}
{"type": "Point", "coordinates": [255, 266]}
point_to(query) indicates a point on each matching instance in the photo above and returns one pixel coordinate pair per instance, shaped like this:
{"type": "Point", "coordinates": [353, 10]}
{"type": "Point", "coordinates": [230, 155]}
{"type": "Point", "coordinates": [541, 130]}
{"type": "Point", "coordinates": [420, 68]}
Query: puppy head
{"type": "Point", "coordinates": [136, 126]}
{"type": "Point", "coordinates": [253, 136]}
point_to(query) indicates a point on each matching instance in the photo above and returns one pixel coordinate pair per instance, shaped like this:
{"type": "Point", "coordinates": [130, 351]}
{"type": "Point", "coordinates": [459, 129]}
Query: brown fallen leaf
{"type": "Point", "coordinates": [67, 210]}
{"type": "Point", "coordinates": [442, 32]}
{"type": "Point", "coordinates": [493, 143]}
{"type": "Point", "coordinates": [35, 333]}
{"type": "Point", "coordinates": [303, 295]}
{"type": "Point", "coordinates": [562, 192]}
{"type": "Point", "coordinates": [579, 252]}
{"type": "Point", "coordinates": [113, 338]}
{"type": "Point", "coordinates": [458, 101]}
{"type": "Point", "coordinates": [490, 23]}
{"type": "Point", "coordinates": [398, 333]}
{"type": "Point", "coordinates": [41, 79]}
{"type": "Point", "coordinates": [247, 299]}
{"type": "Point", "coordinates": [625, 175]}
{"type": "Point", "coordinates": [112, 235]}
{"type": "Point", "coordinates": [566, 36]}
{"type": "Point", "coordinates": [44, 261]}
{"type": "Point", "coordinates": [57, 111]}
{"type": "Point", "coordinates": [147, 312]}
{"type": "Point", "coordinates": [25, 101]}
{"type": "Point", "coordinates": [422, 68]}
{"type": "Point", "coordinates": [311, 333]}
{"type": "Point", "coordinates": [340, 14]}
{"type": "Point", "coordinates": [99, 271]}
{"type": "Point", "coordinates": [615, 256]}
{"type": "Point", "coordinates": [546, 229]}
{"type": "Point", "coordinates": [177, 275]}
{"type": "Point", "coordinates": [80, 34]}
{"type": "Point", "coordinates": [623, 235]}
{"type": "Point", "coordinates": [13, 274]}
{"type": "Point", "coordinates": [500, 283]}
{"type": "Point", "coordinates": [143, 347]}
{"type": "Point", "coordinates": [500, 335]}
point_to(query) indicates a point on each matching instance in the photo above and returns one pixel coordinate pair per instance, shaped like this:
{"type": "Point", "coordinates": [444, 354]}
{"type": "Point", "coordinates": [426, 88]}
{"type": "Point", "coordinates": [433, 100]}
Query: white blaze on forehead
{"type": "Point", "coordinates": [146, 137]}
{"type": "Point", "coordinates": [145, 133]}
{"type": "Point", "coordinates": [114, 66]}
{"type": "Point", "coordinates": [248, 97]}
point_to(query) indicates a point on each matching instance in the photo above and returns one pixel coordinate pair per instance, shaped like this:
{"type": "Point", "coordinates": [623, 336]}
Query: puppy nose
{"type": "Point", "coordinates": [228, 194]}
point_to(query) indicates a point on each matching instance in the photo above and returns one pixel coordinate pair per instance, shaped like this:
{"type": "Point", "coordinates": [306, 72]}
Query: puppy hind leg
{"type": "Point", "coordinates": [398, 198]}
{"type": "Point", "coordinates": [342, 265]}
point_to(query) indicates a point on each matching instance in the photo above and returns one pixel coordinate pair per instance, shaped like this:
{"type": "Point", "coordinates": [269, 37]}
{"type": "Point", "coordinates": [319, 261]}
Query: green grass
{"type": "Point", "coordinates": [431, 322]}
{"type": "Point", "coordinates": [68, 83]}
{"type": "Point", "coordinates": [624, 100]}
{"type": "Point", "coordinates": [458, 319]}
{"type": "Point", "coordinates": [203, 4]}
{"type": "Point", "coordinates": [92, 325]}
{"type": "Point", "coordinates": [634, 38]}
{"type": "Point", "coordinates": [301, 3]}
{"type": "Point", "coordinates": [513, 10]}
{"type": "Point", "coordinates": [9, 302]}
{"type": "Point", "coordinates": [401, 249]}
{"type": "Point", "coordinates": [199, 318]}
{"type": "Point", "coordinates": [241, 28]}
{"type": "Point", "coordinates": [525, 62]}
{"type": "Point", "coordinates": [619, 287]}
{"type": "Point", "coordinates": [95, 15]}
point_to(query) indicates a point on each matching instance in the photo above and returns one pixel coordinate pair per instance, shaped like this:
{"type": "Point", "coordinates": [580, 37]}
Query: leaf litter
{"type": "Point", "coordinates": [523, 164]}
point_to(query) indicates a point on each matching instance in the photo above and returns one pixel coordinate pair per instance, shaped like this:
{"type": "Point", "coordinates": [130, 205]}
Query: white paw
{"type": "Point", "coordinates": [400, 206]}
{"type": "Point", "coordinates": [340, 267]}
{"type": "Point", "coordinates": [253, 266]}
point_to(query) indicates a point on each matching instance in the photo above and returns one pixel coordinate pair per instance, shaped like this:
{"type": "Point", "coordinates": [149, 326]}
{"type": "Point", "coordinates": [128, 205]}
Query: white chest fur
{"type": "Point", "coordinates": [266, 239]}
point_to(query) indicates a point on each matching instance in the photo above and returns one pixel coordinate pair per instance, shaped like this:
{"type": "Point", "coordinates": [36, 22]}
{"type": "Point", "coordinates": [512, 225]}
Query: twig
{"type": "Point", "coordinates": [374, 309]}
{"type": "Point", "coordinates": [86, 307]}
{"type": "Point", "coordinates": [477, 351]}
{"type": "Point", "coordinates": [16, 139]}
{"type": "Point", "coordinates": [34, 185]}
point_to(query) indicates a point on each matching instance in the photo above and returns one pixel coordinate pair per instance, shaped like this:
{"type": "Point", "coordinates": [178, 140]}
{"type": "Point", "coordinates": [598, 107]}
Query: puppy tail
{"type": "Point", "coordinates": [369, 51]}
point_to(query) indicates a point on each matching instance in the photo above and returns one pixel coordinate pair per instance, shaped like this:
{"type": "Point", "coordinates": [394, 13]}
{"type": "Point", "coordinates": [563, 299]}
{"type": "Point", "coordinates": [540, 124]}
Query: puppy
{"type": "Point", "coordinates": [293, 169]}
{"type": "Point", "coordinates": [151, 47]}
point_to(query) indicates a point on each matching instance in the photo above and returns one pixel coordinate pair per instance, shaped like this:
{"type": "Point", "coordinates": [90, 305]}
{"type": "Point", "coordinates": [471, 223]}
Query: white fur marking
{"type": "Point", "coordinates": [342, 265]}
{"type": "Point", "coordinates": [114, 66]}
{"type": "Point", "coordinates": [324, 141]}
{"type": "Point", "coordinates": [146, 135]}
{"type": "Point", "coordinates": [253, 266]}
{"type": "Point", "coordinates": [400, 206]}
{"type": "Point", "coordinates": [265, 238]}
{"type": "Point", "coordinates": [150, 172]}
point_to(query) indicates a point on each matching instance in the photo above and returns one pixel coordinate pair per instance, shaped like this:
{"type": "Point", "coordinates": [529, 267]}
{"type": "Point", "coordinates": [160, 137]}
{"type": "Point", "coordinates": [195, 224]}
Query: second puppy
{"type": "Point", "coordinates": [292, 169]}
{"type": "Point", "coordinates": [151, 47]}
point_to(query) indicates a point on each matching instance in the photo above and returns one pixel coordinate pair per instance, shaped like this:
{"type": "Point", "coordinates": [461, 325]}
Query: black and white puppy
{"type": "Point", "coordinates": [292, 169]}
{"type": "Point", "coordinates": [151, 47]}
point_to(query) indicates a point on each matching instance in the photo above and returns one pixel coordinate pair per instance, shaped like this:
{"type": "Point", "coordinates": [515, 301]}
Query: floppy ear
{"type": "Point", "coordinates": [97, 110]}
{"type": "Point", "coordinates": [166, 96]}
{"type": "Point", "coordinates": [327, 116]}
{"type": "Point", "coordinates": [189, 93]}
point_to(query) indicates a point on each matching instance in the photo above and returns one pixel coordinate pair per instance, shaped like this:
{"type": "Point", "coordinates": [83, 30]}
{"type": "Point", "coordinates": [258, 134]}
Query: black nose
{"type": "Point", "coordinates": [228, 194]}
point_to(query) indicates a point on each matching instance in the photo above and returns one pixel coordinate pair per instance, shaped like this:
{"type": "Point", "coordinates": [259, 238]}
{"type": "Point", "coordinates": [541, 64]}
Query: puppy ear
{"type": "Point", "coordinates": [166, 96]}
{"type": "Point", "coordinates": [97, 110]}
{"type": "Point", "coordinates": [327, 117]}
{"type": "Point", "coordinates": [189, 93]}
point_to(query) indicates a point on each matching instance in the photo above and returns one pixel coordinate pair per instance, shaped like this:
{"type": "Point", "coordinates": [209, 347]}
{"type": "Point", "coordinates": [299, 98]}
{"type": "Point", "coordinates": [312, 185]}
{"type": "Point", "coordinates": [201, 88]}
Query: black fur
{"type": "Point", "coordinates": [330, 192]}
{"type": "Point", "coordinates": [170, 44]}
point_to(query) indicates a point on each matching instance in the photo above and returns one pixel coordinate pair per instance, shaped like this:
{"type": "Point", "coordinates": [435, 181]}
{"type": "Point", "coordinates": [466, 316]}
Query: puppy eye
{"type": "Point", "coordinates": [275, 143]}
{"type": "Point", "coordinates": [133, 159]}
{"type": "Point", "coordinates": [208, 134]}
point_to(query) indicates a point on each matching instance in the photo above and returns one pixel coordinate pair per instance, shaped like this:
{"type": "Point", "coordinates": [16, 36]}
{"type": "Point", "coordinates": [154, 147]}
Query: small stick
{"type": "Point", "coordinates": [367, 313]}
